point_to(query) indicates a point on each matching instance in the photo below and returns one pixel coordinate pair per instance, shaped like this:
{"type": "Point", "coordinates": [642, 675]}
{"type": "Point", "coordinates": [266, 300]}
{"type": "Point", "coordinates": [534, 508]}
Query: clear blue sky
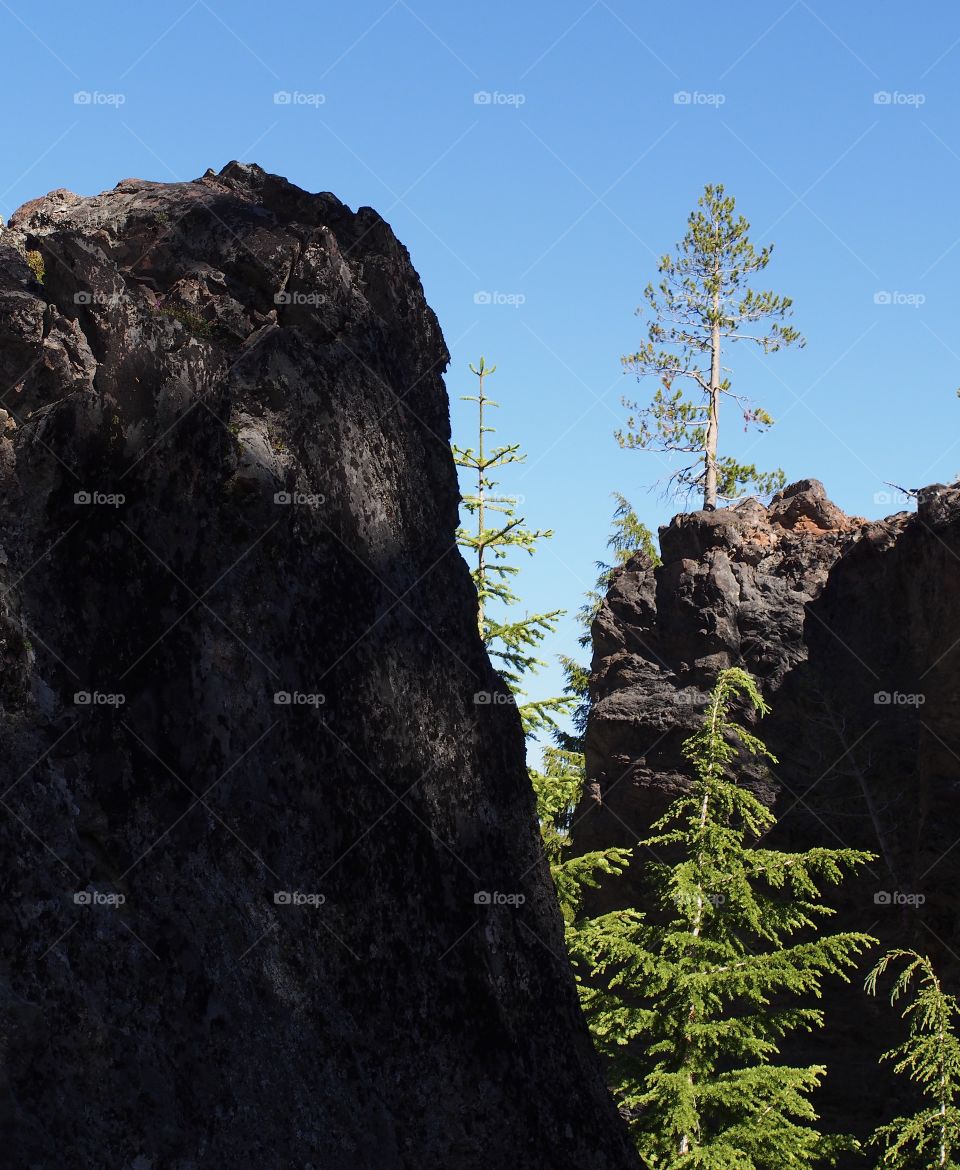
{"type": "Point", "coordinates": [563, 191]}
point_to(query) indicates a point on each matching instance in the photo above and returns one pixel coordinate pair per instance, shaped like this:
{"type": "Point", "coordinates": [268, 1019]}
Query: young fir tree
{"type": "Point", "coordinates": [629, 536]}
{"type": "Point", "coordinates": [496, 533]}
{"type": "Point", "coordinates": [691, 1004]}
{"type": "Point", "coordinates": [558, 789]}
{"type": "Point", "coordinates": [703, 304]}
{"type": "Point", "coordinates": [930, 1057]}
{"type": "Point", "coordinates": [559, 786]}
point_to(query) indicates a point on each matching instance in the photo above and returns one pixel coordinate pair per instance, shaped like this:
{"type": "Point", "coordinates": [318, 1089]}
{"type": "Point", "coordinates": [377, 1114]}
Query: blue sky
{"type": "Point", "coordinates": [560, 193]}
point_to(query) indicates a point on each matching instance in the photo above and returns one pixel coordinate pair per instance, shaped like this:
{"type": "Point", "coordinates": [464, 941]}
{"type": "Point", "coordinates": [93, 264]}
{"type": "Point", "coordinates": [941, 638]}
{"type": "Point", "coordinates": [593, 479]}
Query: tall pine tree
{"type": "Point", "coordinates": [702, 306]}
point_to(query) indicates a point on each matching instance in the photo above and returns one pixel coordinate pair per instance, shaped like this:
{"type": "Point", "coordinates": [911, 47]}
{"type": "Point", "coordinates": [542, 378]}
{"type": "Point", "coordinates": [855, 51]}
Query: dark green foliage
{"type": "Point", "coordinates": [577, 685]}
{"type": "Point", "coordinates": [690, 1004]}
{"type": "Point", "coordinates": [558, 790]}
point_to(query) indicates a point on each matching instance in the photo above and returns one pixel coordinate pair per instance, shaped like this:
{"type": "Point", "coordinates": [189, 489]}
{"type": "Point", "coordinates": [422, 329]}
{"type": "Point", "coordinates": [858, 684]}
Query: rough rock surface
{"type": "Point", "coordinates": [834, 615]}
{"type": "Point", "coordinates": [237, 931]}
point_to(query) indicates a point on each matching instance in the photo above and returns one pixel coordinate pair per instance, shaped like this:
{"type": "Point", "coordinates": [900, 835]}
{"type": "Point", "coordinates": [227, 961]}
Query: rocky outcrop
{"type": "Point", "coordinates": [732, 590]}
{"type": "Point", "coordinates": [272, 894]}
{"type": "Point", "coordinates": [853, 629]}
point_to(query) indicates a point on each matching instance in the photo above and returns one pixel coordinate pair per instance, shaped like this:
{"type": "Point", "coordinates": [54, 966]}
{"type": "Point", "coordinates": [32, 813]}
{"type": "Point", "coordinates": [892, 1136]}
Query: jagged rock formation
{"type": "Point", "coordinates": [248, 797]}
{"type": "Point", "coordinates": [853, 628]}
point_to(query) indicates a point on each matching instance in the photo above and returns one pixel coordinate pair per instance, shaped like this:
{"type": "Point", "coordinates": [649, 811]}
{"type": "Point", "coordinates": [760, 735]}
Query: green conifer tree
{"type": "Point", "coordinates": [629, 535]}
{"type": "Point", "coordinates": [559, 785]}
{"type": "Point", "coordinates": [930, 1057]}
{"type": "Point", "coordinates": [704, 304]}
{"type": "Point", "coordinates": [690, 1004]}
{"type": "Point", "coordinates": [497, 532]}
{"type": "Point", "coordinates": [558, 789]}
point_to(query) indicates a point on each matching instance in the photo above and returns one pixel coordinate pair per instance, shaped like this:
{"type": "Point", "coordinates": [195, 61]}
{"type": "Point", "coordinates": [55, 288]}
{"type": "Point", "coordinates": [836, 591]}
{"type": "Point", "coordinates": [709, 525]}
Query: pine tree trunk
{"type": "Point", "coordinates": [713, 421]}
{"type": "Point", "coordinates": [944, 1096]}
{"type": "Point", "coordinates": [698, 917]}
{"type": "Point", "coordinates": [481, 469]}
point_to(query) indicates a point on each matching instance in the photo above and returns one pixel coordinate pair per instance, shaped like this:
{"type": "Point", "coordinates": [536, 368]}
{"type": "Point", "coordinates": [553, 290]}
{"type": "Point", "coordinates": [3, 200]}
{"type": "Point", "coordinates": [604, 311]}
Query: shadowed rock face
{"type": "Point", "coordinates": [853, 629]}
{"type": "Point", "coordinates": [237, 930]}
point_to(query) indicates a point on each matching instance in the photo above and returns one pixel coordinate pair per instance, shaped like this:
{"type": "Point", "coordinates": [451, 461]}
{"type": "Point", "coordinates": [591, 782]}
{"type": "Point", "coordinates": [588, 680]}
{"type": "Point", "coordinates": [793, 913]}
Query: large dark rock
{"type": "Point", "coordinates": [853, 629]}
{"type": "Point", "coordinates": [236, 930]}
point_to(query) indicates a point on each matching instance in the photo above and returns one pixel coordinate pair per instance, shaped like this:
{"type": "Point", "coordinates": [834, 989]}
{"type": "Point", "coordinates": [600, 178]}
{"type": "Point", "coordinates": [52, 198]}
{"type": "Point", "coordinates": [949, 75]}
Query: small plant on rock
{"type": "Point", "coordinates": [37, 265]}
